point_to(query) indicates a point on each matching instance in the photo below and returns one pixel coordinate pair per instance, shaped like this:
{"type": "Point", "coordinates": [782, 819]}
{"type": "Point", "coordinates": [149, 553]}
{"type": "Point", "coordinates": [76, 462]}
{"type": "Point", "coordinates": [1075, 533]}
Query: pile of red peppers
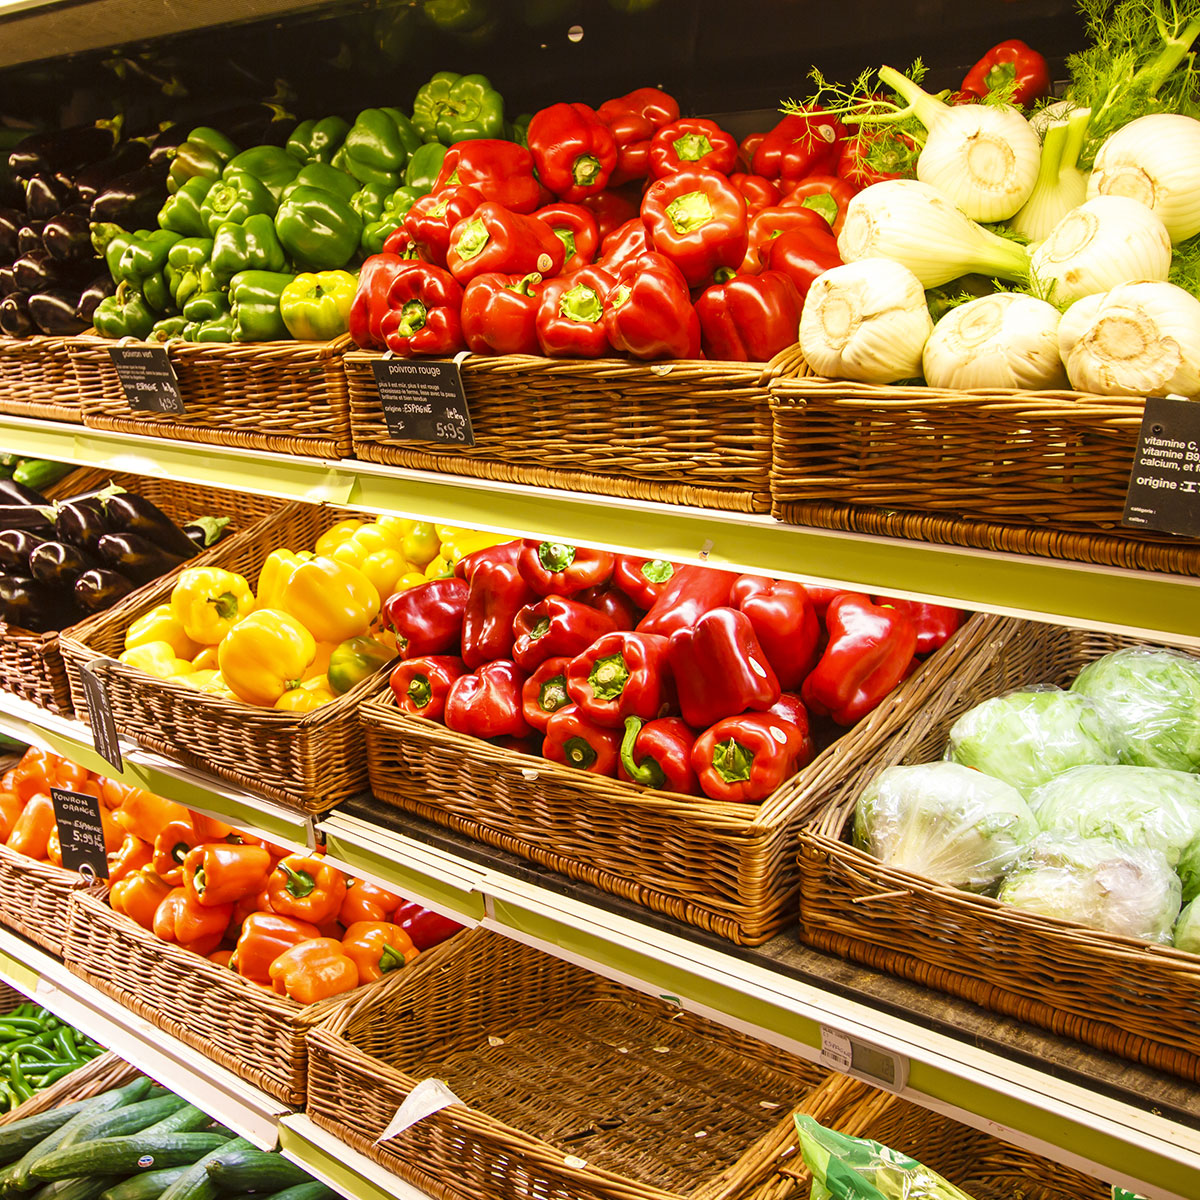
{"type": "Point", "coordinates": [682, 678]}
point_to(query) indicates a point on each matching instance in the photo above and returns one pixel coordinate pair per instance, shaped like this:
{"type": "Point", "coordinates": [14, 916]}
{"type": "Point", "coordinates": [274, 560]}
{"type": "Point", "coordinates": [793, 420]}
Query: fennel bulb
{"type": "Point", "coordinates": [1104, 242]}
{"type": "Point", "coordinates": [1155, 160]}
{"type": "Point", "coordinates": [1140, 339]}
{"type": "Point", "coordinates": [1008, 340]}
{"type": "Point", "coordinates": [1061, 185]}
{"type": "Point", "coordinates": [866, 321]}
{"type": "Point", "coordinates": [913, 223]}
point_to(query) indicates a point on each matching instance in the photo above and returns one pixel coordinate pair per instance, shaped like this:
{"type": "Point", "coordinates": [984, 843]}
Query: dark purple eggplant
{"type": "Point", "coordinates": [99, 589]}
{"type": "Point", "coordinates": [55, 311]}
{"type": "Point", "coordinates": [206, 531]}
{"type": "Point", "coordinates": [132, 201]}
{"type": "Point", "coordinates": [165, 144]}
{"type": "Point", "coordinates": [137, 557]}
{"type": "Point", "coordinates": [93, 179]}
{"type": "Point", "coordinates": [28, 604]}
{"type": "Point", "coordinates": [29, 237]}
{"type": "Point", "coordinates": [69, 235]}
{"type": "Point", "coordinates": [12, 492]}
{"type": "Point", "coordinates": [58, 564]}
{"type": "Point", "coordinates": [8, 280]}
{"type": "Point", "coordinates": [15, 548]}
{"type": "Point", "coordinates": [127, 512]}
{"type": "Point", "coordinates": [255, 124]}
{"type": "Point", "coordinates": [37, 271]}
{"type": "Point", "coordinates": [14, 315]}
{"type": "Point", "coordinates": [46, 196]}
{"type": "Point", "coordinates": [62, 149]}
{"type": "Point", "coordinates": [11, 220]}
{"type": "Point", "coordinates": [31, 517]}
{"type": "Point", "coordinates": [82, 523]}
{"type": "Point", "coordinates": [90, 297]}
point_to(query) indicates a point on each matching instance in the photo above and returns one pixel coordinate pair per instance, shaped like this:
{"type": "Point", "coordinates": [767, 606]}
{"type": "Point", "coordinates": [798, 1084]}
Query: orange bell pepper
{"type": "Point", "coordinates": [138, 896]}
{"type": "Point", "coordinates": [54, 848]}
{"type": "Point", "coordinates": [113, 793]}
{"type": "Point", "coordinates": [196, 927]}
{"type": "Point", "coordinates": [367, 902]}
{"type": "Point", "coordinates": [221, 957]}
{"type": "Point", "coordinates": [33, 774]}
{"type": "Point", "coordinates": [145, 815]}
{"type": "Point", "coordinates": [377, 947]}
{"type": "Point", "coordinates": [264, 937]}
{"type": "Point", "coordinates": [114, 835]}
{"type": "Point", "coordinates": [10, 810]}
{"type": "Point", "coordinates": [173, 843]}
{"type": "Point", "coordinates": [313, 971]}
{"type": "Point", "coordinates": [256, 902]}
{"type": "Point", "coordinates": [305, 887]}
{"type": "Point", "coordinates": [209, 829]}
{"type": "Point", "coordinates": [33, 827]}
{"type": "Point", "coordinates": [132, 855]}
{"type": "Point", "coordinates": [222, 873]}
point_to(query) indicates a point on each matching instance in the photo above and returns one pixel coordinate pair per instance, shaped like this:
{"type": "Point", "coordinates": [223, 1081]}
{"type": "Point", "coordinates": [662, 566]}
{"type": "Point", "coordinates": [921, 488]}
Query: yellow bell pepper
{"type": "Point", "coordinates": [410, 579]}
{"type": "Point", "coordinates": [305, 698]}
{"type": "Point", "coordinates": [217, 686]}
{"type": "Point", "coordinates": [331, 539]}
{"type": "Point", "coordinates": [276, 570]}
{"type": "Point", "coordinates": [199, 679]}
{"type": "Point", "coordinates": [208, 602]}
{"type": "Point", "coordinates": [156, 658]}
{"type": "Point", "coordinates": [384, 569]}
{"type": "Point", "coordinates": [439, 568]}
{"type": "Point", "coordinates": [420, 544]}
{"type": "Point", "coordinates": [320, 663]}
{"type": "Point", "coordinates": [396, 529]}
{"type": "Point", "coordinates": [265, 655]}
{"type": "Point", "coordinates": [458, 543]}
{"type": "Point", "coordinates": [378, 537]}
{"type": "Point", "coordinates": [206, 660]}
{"type": "Point", "coordinates": [332, 600]}
{"type": "Point", "coordinates": [160, 625]}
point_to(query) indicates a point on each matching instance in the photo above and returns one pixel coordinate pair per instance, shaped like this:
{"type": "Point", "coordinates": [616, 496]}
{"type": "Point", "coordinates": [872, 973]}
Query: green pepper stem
{"type": "Point", "coordinates": [609, 676]}
{"type": "Point", "coordinates": [581, 303]}
{"type": "Point", "coordinates": [556, 556]}
{"type": "Point", "coordinates": [412, 318]}
{"type": "Point", "coordinates": [226, 605]}
{"type": "Point", "coordinates": [648, 773]}
{"type": "Point", "coordinates": [390, 960]}
{"type": "Point", "coordinates": [731, 761]}
{"type": "Point", "coordinates": [420, 691]}
{"type": "Point", "coordinates": [579, 752]}
{"type": "Point", "coordinates": [689, 211]}
{"type": "Point", "coordinates": [299, 883]}
{"type": "Point", "coordinates": [586, 170]}
{"type": "Point", "coordinates": [691, 147]}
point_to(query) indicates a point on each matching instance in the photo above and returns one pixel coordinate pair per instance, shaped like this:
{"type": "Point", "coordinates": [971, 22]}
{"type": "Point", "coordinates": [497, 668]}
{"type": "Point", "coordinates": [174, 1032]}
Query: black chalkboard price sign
{"type": "Point", "coordinates": [81, 831]}
{"type": "Point", "coordinates": [423, 401]}
{"type": "Point", "coordinates": [1164, 484]}
{"type": "Point", "coordinates": [100, 716]}
{"type": "Point", "coordinates": [146, 374]}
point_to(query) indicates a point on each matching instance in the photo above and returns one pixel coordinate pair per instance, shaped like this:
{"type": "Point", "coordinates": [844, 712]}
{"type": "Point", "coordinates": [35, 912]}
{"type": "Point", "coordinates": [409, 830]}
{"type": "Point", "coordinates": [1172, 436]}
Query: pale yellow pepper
{"type": "Point", "coordinates": [458, 543]}
{"type": "Point", "coordinates": [161, 625]}
{"type": "Point", "coordinates": [309, 696]}
{"type": "Point", "coordinates": [439, 568]}
{"type": "Point", "coordinates": [206, 660]}
{"type": "Point", "coordinates": [332, 600]}
{"type": "Point", "coordinates": [421, 544]}
{"type": "Point", "coordinates": [410, 579]}
{"type": "Point", "coordinates": [332, 538]}
{"type": "Point", "coordinates": [265, 655]}
{"type": "Point", "coordinates": [276, 570]}
{"type": "Point", "coordinates": [158, 659]}
{"type": "Point", "coordinates": [208, 602]}
{"type": "Point", "coordinates": [200, 680]}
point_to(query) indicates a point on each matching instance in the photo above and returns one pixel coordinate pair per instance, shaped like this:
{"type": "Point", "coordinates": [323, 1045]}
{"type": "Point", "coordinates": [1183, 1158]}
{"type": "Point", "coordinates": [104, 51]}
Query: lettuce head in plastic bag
{"type": "Point", "coordinates": [1153, 698]}
{"type": "Point", "coordinates": [1127, 890]}
{"type": "Point", "coordinates": [1028, 737]}
{"type": "Point", "coordinates": [944, 821]}
{"type": "Point", "coordinates": [1187, 929]}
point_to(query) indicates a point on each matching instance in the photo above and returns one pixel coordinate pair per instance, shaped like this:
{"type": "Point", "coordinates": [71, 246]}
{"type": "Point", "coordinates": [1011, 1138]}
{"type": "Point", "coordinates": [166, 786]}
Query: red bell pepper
{"type": "Point", "coordinates": [745, 758]}
{"type": "Point", "coordinates": [935, 623]}
{"type": "Point", "coordinates": [801, 255]}
{"type": "Point", "coordinates": [576, 741]}
{"type": "Point", "coordinates": [870, 648]}
{"type": "Point", "coordinates": [822, 597]}
{"type": "Point", "coordinates": [400, 243]}
{"type": "Point", "coordinates": [624, 243]}
{"type": "Point", "coordinates": [501, 171]}
{"type": "Point", "coordinates": [570, 317]}
{"type": "Point", "coordinates": [495, 595]}
{"type": "Point", "coordinates": [421, 685]}
{"type": "Point", "coordinates": [801, 144]}
{"type": "Point", "coordinates": [370, 304]}
{"type": "Point", "coordinates": [576, 228]}
{"type": "Point", "coordinates": [658, 754]}
{"type": "Point", "coordinates": [720, 668]}
{"type": "Point", "coordinates": [692, 142]}
{"type": "Point", "coordinates": [613, 603]}
{"type": "Point", "coordinates": [750, 318]}
{"type": "Point", "coordinates": [494, 239]}
{"type": "Point", "coordinates": [642, 579]}
{"type": "Point", "coordinates": [748, 145]}
{"type": "Point", "coordinates": [428, 618]}
{"type": "Point", "coordinates": [573, 150]}
{"type": "Point", "coordinates": [487, 704]}
{"type": "Point", "coordinates": [556, 627]}
{"type": "Point", "coordinates": [784, 621]}
{"type": "Point", "coordinates": [632, 119]}
{"type": "Point", "coordinates": [430, 220]}
{"type": "Point", "coordinates": [824, 194]}
{"type": "Point", "coordinates": [696, 218]}
{"type": "Point", "coordinates": [611, 209]}
{"type": "Point", "coordinates": [770, 223]}
{"type": "Point", "coordinates": [560, 569]}
{"type": "Point", "coordinates": [426, 303]}
{"type": "Point", "coordinates": [649, 313]}
{"type": "Point", "coordinates": [1010, 63]}
{"type": "Point", "coordinates": [507, 552]}
{"type": "Point", "coordinates": [621, 675]}
{"type": "Point", "coordinates": [758, 191]}
{"type": "Point", "coordinates": [499, 313]}
{"type": "Point", "coordinates": [790, 707]}
{"type": "Point", "coordinates": [426, 927]}
{"type": "Point", "coordinates": [545, 692]}
{"type": "Point", "coordinates": [686, 597]}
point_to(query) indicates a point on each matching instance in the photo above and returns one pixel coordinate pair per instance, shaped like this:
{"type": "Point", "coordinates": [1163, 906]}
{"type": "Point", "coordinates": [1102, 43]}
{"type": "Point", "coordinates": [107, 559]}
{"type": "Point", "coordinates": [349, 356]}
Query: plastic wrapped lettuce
{"type": "Point", "coordinates": [944, 821]}
{"type": "Point", "coordinates": [1128, 890]}
{"type": "Point", "coordinates": [1187, 929]}
{"type": "Point", "coordinates": [1028, 737]}
{"type": "Point", "coordinates": [1141, 806]}
{"type": "Point", "coordinates": [1153, 699]}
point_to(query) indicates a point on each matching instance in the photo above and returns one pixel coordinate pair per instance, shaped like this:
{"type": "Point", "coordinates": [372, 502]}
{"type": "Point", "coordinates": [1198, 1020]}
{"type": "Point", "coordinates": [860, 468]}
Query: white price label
{"type": "Point", "coordinates": [428, 1097]}
{"type": "Point", "coordinates": [863, 1060]}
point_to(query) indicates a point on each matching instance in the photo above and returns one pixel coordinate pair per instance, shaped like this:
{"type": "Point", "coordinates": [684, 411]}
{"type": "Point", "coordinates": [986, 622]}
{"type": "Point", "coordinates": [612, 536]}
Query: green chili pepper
{"type": "Point", "coordinates": [64, 1042]}
{"type": "Point", "coordinates": [58, 1072]}
{"type": "Point", "coordinates": [16, 1077]}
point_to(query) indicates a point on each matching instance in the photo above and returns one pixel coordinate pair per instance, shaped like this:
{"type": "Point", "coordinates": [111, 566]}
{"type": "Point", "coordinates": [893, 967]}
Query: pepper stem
{"type": "Point", "coordinates": [553, 694]}
{"type": "Point", "coordinates": [581, 303]}
{"type": "Point", "coordinates": [579, 752]}
{"type": "Point", "coordinates": [420, 691]}
{"type": "Point", "coordinates": [690, 211]}
{"type": "Point", "coordinates": [586, 170]}
{"type": "Point", "coordinates": [731, 761]}
{"type": "Point", "coordinates": [556, 556]}
{"type": "Point", "coordinates": [691, 147]}
{"type": "Point", "coordinates": [473, 238]}
{"type": "Point", "coordinates": [391, 959]}
{"type": "Point", "coordinates": [568, 240]}
{"type": "Point", "coordinates": [226, 605]}
{"type": "Point", "coordinates": [412, 318]}
{"type": "Point", "coordinates": [648, 773]}
{"type": "Point", "coordinates": [609, 677]}
{"type": "Point", "coordinates": [299, 883]}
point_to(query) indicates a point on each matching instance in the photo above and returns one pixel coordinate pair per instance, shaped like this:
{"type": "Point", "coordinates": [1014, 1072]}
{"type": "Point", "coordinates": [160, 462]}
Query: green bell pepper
{"type": "Point", "coordinates": [167, 328]}
{"type": "Point", "coordinates": [239, 196]}
{"type": "Point", "coordinates": [317, 141]}
{"type": "Point", "coordinates": [317, 230]}
{"type": "Point", "coordinates": [181, 212]}
{"type": "Point", "coordinates": [425, 166]}
{"type": "Point", "coordinates": [272, 166]}
{"type": "Point", "coordinates": [157, 291]}
{"type": "Point", "coordinates": [316, 306]}
{"type": "Point", "coordinates": [457, 108]}
{"type": "Point", "coordinates": [219, 329]}
{"type": "Point", "coordinates": [185, 261]}
{"type": "Point", "coordinates": [391, 217]}
{"type": "Point", "coordinates": [328, 179]}
{"type": "Point", "coordinates": [206, 306]}
{"type": "Point", "coordinates": [125, 314]}
{"type": "Point", "coordinates": [205, 152]}
{"type": "Point", "coordinates": [252, 245]}
{"type": "Point", "coordinates": [518, 130]}
{"type": "Point", "coordinates": [378, 146]}
{"type": "Point", "coordinates": [254, 297]}
{"type": "Point", "coordinates": [144, 254]}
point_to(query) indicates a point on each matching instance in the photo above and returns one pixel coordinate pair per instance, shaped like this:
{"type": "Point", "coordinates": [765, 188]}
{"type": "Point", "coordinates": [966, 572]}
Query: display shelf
{"type": "Point", "coordinates": [1065, 592]}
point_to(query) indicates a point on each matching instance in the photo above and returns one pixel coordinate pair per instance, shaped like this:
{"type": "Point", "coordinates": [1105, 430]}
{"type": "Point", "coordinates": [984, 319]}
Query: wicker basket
{"type": "Point", "coordinates": [728, 868]}
{"type": "Point", "coordinates": [284, 396]}
{"type": "Point", "coordinates": [1027, 472]}
{"type": "Point", "coordinates": [309, 763]}
{"type": "Point", "coordinates": [36, 379]}
{"type": "Point", "coordinates": [34, 898]}
{"type": "Point", "coordinates": [579, 1088]}
{"type": "Point", "coordinates": [31, 664]}
{"type": "Point", "coordinates": [685, 432]}
{"type": "Point", "coordinates": [1124, 996]}
{"type": "Point", "coordinates": [105, 1071]}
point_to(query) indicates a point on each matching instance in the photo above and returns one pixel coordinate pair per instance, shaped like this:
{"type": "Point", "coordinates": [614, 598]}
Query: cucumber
{"type": "Point", "coordinates": [82, 1187]}
{"type": "Point", "coordinates": [196, 1183]}
{"type": "Point", "coordinates": [188, 1119]}
{"type": "Point", "coordinates": [39, 474]}
{"type": "Point", "coordinates": [255, 1170]}
{"type": "Point", "coordinates": [120, 1121]}
{"type": "Point", "coordinates": [18, 1137]}
{"type": "Point", "coordinates": [313, 1190]}
{"type": "Point", "coordinates": [145, 1186]}
{"type": "Point", "coordinates": [125, 1155]}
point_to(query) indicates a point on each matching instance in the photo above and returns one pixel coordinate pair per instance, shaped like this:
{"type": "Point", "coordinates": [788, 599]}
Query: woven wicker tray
{"type": "Point", "coordinates": [685, 432]}
{"type": "Point", "coordinates": [1126, 997]}
{"type": "Point", "coordinates": [31, 664]}
{"type": "Point", "coordinates": [36, 379]}
{"type": "Point", "coordinates": [284, 396]}
{"type": "Point", "coordinates": [579, 1088]}
{"type": "Point", "coordinates": [728, 868]}
{"type": "Point", "coordinates": [309, 763]}
{"type": "Point", "coordinates": [103, 1072]}
{"type": "Point", "coordinates": [34, 898]}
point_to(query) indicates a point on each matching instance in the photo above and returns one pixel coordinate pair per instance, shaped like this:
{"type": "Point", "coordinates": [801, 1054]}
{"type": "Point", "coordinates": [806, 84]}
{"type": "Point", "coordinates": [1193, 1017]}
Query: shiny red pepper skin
{"type": "Point", "coordinates": [426, 927]}
{"type": "Point", "coordinates": [758, 191]}
{"type": "Point", "coordinates": [642, 579]}
{"type": "Point", "coordinates": [621, 675]}
{"type": "Point", "coordinates": [429, 222]}
{"type": "Point", "coordinates": [870, 649]}
{"type": "Point", "coordinates": [696, 218]}
{"type": "Point", "coordinates": [802, 255]}
{"type": "Point", "coordinates": [613, 603]}
{"type": "Point", "coordinates": [495, 595]}
{"type": "Point", "coordinates": [632, 120]}
{"type": "Point", "coordinates": [507, 552]}
{"type": "Point", "coordinates": [692, 142]}
{"type": "Point", "coordinates": [487, 704]}
{"type": "Point", "coordinates": [554, 628]}
{"type": "Point", "coordinates": [573, 150]}
{"type": "Point", "coordinates": [658, 754]}
{"type": "Point", "coordinates": [575, 741]}
{"type": "Point", "coordinates": [748, 145]}
{"type": "Point", "coordinates": [935, 623]}
{"type": "Point", "coordinates": [428, 618]}
{"type": "Point", "coordinates": [745, 758]}
{"type": "Point", "coordinates": [570, 317]}
{"type": "Point", "coordinates": [499, 313]}
{"type": "Point", "coordinates": [750, 318]}
{"type": "Point", "coordinates": [784, 622]}
{"type": "Point", "coordinates": [826, 195]}
{"type": "Point", "coordinates": [576, 228]}
{"type": "Point", "coordinates": [501, 171]}
{"type": "Point", "coordinates": [801, 144]}
{"type": "Point", "coordinates": [768, 224]}
{"type": "Point", "coordinates": [822, 597]}
{"type": "Point", "coordinates": [494, 239]}
{"type": "Point", "coordinates": [370, 304]}
{"type": "Point", "coordinates": [400, 243]}
{"type": "Point", "coordinates": [649, 314]}
{"type": "Point", "coordinates": [624, 243]}
{"type": "Point", "coordinates": [560, 569]}
{"type": "Point", "coordinates": [789, 707]}
{"type": "Point", "coordinates": [1010, 62]}
{"type": "Point", "coordinates": [611, 209]}
{"type": "Point", "coordinates": [545, 692]}
{"type": "Point", "coordinates": [421, 685]}
{"type": "Point", "coordinates": [426, 304]}
{"type": "Point", "coordinates": [720, 669]}
{"type": "Point", "coordinates": [686, 597]}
